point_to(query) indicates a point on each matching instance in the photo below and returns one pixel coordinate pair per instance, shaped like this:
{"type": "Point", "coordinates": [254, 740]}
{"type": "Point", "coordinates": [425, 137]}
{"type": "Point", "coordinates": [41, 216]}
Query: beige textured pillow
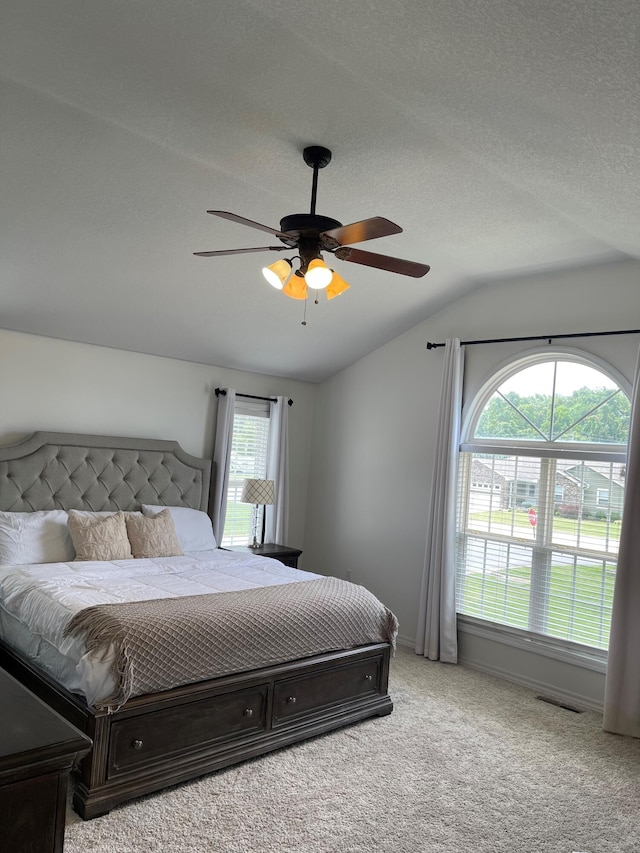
{"type": "Point", "coordinates": [153, 535]}
{"type": "Point", "coordinates": [99, 537]}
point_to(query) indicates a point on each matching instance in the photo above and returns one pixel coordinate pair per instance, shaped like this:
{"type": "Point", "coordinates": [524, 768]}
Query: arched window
{"type": "Point", "coordinates": [542, 477]}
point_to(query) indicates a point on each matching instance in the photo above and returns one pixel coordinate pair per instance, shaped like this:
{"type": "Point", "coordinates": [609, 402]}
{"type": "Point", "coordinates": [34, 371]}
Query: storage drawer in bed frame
{"type": "Point", "coordinates": [165, 738]}
{"type": "Point", "coordinates": [303, 696]}
{"type": "Point", "coordinates": [143, 739]}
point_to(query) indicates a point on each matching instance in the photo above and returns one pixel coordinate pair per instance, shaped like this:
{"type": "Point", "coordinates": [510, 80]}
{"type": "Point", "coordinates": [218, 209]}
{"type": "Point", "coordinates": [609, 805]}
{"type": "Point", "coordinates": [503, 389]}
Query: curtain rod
{"type": "Point", "coordinates": [541, 338]}
{"type": "Point", "coordinates": [223, 391]}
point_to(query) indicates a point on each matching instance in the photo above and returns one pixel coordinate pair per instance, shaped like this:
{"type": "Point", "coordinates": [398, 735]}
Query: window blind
{"type": "Point", "coordinates": [531, 560]}
{"type": "Point", "coordinates": [248, 459]}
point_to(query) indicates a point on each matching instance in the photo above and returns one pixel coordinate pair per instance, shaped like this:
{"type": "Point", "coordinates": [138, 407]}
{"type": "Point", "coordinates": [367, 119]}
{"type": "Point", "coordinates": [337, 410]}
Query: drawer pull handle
{"type": "Point", "coordinates": [291, 700]}
{"type": "Point", "coordinates": [368, 678]}
{"type": "Point", "coordinates": [248, 712]}
{"type": "Point", "coordinates": [137, 744]}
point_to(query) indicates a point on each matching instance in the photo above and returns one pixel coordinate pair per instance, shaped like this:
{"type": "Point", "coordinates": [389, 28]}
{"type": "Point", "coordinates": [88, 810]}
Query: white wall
{"type": "Point", "coordinates": [360, 487]}
{"type": "Point", "coordinates": [47, 384]}
{"type": "Point", "coordinates": [374, 435]}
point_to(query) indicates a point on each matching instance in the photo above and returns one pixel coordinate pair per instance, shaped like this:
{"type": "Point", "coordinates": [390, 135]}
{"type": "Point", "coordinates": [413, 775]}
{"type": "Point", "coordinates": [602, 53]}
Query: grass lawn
{"type": "Point", "coordinates": [589, 527]}
{"type": "Point", "coordinates": [237, 526]}
{"type": "Point", "coordinates": [490, 597]}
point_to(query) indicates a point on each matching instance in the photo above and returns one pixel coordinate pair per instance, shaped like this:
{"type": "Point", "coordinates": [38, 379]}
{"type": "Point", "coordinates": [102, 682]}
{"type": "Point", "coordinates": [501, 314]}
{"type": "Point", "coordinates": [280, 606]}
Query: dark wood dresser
{"type": "Point", "coordinates": [37, 750]}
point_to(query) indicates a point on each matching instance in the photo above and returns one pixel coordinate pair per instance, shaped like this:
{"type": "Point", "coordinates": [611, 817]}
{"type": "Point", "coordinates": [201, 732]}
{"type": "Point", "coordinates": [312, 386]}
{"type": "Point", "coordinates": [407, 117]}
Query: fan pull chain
{"type": "Point", "coordinates": [304, 316]}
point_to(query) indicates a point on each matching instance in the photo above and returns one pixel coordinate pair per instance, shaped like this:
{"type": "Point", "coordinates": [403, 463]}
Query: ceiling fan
{"type": "Point", "coordinates": [311, 234]}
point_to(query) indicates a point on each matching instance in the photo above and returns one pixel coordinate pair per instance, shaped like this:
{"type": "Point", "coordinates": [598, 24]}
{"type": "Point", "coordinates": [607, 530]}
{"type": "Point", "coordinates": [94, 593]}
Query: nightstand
{"type": "Point", "coordinates": [37, 750]}
{"type": "Point", "coordinates": [288, 556]}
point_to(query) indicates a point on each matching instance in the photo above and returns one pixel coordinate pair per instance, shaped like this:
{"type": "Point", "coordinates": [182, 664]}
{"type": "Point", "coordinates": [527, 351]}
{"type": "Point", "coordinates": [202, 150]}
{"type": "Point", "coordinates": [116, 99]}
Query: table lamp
{"type": "Point", "coordinates": [259, 493]}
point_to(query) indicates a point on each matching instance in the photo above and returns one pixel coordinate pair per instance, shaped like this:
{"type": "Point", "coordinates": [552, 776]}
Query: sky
{"type": "Point", "coordinates": [570, 376]}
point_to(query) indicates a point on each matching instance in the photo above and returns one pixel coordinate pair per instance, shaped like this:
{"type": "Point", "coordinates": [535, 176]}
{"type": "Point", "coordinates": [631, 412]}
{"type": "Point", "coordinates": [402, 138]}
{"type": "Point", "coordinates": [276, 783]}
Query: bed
{"type": "Point", "coordinates": [305, 674]}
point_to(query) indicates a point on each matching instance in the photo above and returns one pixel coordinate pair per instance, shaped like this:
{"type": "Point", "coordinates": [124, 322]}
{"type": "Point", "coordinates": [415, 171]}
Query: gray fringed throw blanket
{"type": "Point", "coordinates": [166, 642]}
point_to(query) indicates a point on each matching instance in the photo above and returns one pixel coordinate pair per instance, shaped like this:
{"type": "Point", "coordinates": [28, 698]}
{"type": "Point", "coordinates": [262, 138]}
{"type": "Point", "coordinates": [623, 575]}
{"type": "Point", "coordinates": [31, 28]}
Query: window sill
{"type": "Point", "coordinates": [561, 650]}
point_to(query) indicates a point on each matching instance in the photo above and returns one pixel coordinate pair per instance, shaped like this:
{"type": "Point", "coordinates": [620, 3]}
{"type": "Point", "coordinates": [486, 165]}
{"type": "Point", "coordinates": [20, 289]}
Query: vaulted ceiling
{"type": "Point", "coordinates": [501, 135]}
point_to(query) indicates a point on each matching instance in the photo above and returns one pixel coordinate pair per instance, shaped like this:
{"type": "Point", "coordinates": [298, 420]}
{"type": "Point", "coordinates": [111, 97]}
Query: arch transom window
{"type": "Point", "coordinates": [542, 477]}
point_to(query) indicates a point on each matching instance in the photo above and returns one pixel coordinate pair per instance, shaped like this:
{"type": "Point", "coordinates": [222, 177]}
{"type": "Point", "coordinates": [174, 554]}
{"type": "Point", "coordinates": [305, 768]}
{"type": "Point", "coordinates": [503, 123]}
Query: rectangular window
{"type": "Point", "coordinates": [548, 568]}
{"type": "Point", "coordinates": [603, 497]}
{"type": "Point", "coordinates": [248, 459]}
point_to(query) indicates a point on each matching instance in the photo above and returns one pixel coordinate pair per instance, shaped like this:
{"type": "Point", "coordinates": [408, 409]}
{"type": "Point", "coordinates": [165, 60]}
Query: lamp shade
{"type": "Point", "coordinates": [258, 492]}
{"type": "Point", "coordinates": [318, 274]}
{"type": "Point", "coordinates": [277, 273]}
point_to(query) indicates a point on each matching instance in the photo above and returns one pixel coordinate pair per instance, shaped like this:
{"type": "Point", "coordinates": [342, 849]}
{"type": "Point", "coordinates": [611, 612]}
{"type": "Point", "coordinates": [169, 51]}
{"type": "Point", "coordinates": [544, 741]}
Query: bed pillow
{"type": "Point", "coordinates": [99, 537]}
{"type": "Point", "coordinates": [35, 537]}
{"type": "Point", "coordinates": [193, 527]}
{"type": "Point", "coordinates": [153, 535]}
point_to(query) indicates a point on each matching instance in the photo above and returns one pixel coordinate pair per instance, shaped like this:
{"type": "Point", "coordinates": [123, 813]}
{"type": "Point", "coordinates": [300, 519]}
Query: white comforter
{"type": "Point", "coordinates": [37, 601]}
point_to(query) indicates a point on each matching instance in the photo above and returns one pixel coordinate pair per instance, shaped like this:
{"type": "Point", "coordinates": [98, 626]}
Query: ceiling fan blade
{"type": "Point", "coordinates": [382, 262]}
{"type": "Point", "coordinates": [357, 232]}
{"type": "Point", "coordinates": [241, 251]}
{"type": "Point", "coordinates": [287, 238]}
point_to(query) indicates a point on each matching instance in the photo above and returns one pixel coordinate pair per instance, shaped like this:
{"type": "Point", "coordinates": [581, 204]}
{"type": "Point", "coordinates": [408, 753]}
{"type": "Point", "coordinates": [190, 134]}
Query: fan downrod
{"type": "Point", "coordinates": [317, 157]}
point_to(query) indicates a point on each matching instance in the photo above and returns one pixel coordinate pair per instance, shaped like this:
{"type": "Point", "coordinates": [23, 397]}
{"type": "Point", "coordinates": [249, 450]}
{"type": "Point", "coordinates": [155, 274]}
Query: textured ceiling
{"type": "Point", "coordinates": [501, 135]}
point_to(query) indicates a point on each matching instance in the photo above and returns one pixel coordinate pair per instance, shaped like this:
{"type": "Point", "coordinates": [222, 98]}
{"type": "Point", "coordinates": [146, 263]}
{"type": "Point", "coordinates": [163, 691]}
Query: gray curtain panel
{"type": "Point", "coordinates": [437, 632]}
{"type": "Point", "coordinates": [622, 689]}
{"type": "Point", "coordinates": [222, 459]}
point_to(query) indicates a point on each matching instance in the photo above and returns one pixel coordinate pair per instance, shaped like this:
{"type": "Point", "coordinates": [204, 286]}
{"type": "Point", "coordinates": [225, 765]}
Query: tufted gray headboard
{"type": "Point", "coordinates": [50, 470]}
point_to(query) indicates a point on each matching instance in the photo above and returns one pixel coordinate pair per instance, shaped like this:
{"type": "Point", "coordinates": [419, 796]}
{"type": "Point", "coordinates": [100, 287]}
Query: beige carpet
{"type": "Point", "coordinates": [466, 763]}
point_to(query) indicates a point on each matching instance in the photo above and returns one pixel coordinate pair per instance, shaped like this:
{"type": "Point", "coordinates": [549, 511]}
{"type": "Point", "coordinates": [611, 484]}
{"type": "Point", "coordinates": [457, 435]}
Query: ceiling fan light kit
{"type": "Point", "coordinates": [296, 287]}
{"type": "Point", "coordinates": [311, 234]}
{"type": "Point", "coordinates": [318, 275]}
{"type": "Point", "coordinates": [278, 272]}
{"type": "Point", "coordinates": [337, 286]}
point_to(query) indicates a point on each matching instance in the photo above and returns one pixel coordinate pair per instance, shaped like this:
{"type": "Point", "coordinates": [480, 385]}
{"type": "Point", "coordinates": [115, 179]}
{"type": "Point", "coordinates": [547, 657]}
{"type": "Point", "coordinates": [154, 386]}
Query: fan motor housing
{"type": "Point", "coordinates": [307, 224]}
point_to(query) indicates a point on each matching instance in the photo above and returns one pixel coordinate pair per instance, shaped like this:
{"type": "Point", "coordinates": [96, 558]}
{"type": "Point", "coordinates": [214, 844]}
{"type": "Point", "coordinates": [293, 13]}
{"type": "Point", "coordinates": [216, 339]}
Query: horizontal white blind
{"type": "Point", "coordinates": [538, 543]}
{"type": "Point", "coordinates": [248, 459]}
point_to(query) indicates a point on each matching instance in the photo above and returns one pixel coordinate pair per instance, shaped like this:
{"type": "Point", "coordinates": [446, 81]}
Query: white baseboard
{"type": "Point", "coordinates": [541, 687]}
{"type": "Point", "coordinates": [406, 642]}
{"type": "Point", "coordinates": [515, 658]}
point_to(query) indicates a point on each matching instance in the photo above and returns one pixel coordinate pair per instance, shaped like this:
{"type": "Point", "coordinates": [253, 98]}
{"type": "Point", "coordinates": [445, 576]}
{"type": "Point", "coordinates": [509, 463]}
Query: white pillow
{"type": "Point", "coordinates": [35, 537]}
{"type": "Point", "coordinates": [193, 527]}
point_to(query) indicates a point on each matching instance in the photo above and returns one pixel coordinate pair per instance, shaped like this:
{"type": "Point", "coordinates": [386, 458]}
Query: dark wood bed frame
{"type": "Point", "coordinates": [164, 738]}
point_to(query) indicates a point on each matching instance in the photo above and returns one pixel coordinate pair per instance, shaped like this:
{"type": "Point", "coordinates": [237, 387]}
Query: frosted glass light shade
{"type": "Point", "coordinates": [277, 273]}
{"type": "Point", "coordinates": [296, 287]}
{"type": "Point", "coordinates": [338, 285]}
{"type": "Point", "coordinates": [318, 274]}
